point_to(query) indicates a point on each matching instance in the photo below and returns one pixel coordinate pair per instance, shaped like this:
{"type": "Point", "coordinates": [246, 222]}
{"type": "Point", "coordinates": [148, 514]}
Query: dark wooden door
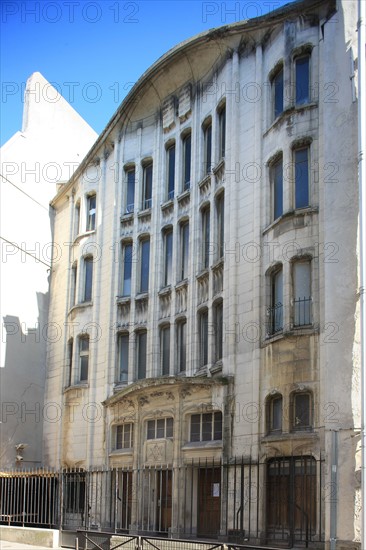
{"type": "Point", "coordinates": [209, 502]}
{"type": "Point", "coordinates": [291, 498]}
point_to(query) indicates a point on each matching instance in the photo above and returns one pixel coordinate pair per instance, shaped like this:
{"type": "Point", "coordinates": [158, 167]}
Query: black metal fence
{"type": "Point", "coordinates": [243, 501]}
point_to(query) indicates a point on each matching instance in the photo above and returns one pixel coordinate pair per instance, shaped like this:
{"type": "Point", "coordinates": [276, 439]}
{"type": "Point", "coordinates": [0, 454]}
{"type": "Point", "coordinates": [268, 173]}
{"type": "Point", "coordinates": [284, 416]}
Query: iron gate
{"type": "Point", "coordinates": [243, 501]}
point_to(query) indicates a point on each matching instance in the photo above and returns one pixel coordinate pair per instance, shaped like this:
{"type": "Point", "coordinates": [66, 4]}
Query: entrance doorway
{"type": "Point", "coordinates": [291, 499]}
{"type": "Point", "coordinates": [164, 500]}
{"type": "Point", "coordinates": [209, 502]}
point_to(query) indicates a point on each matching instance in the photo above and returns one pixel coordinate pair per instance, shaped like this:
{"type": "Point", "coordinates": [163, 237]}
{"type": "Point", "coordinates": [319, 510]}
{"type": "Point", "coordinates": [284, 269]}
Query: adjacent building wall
{"type": "Point", "coordinates": [34, 162]}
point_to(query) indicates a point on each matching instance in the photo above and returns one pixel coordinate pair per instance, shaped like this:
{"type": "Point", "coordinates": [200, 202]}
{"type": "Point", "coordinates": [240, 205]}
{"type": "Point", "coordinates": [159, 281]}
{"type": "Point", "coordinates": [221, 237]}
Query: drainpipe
{"type": "Point", "coordinates": [362, 240]}
{"type": "Point", "coordinates": [333, 492]}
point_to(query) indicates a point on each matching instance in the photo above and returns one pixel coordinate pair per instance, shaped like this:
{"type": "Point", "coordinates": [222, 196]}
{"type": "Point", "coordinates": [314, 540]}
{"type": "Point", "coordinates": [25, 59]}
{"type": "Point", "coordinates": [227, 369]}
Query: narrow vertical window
{"type": "Point", "coordinates": [77, 220]}
{"type": "Point", "coordinates": [274, 414]}
{"type": "Point", "coordinates": [171, 171]}
{"type": "Point", "coordinates": [88, 278]}
{"type": "Point", "coordinates": [206, 244]}
{"type": "Point", "coordinates": [207, 134]}
{"type": "Point", "coordinates": [74, 275]}
{"type": "Point", "coordinates": [127, 251]}
{"type": "Point", "coordinates": [165, 350]}
{"type": "Point", "coordinates": [222, 132]}
{"type": "Point", "coordinates": [277, 93]}
{"type": "Point", "coordinates": [84, 358]}
{"type": "Point", "coordinates": [187, 162]}
{"type": "Point", "coordinates": [184, 250]}
{"type": "Point", "coordinates": [302, 293]}
{"type": "Point", "coordinates": [203, 335]}
{"type": "Point", "coordinates": [181, 345]}
{"type": "Point", "coordinates": [168, 256]}
{"type": "Point", "coordinates": [144, 265]}
{"type": "Point", "coordinates": [123, 345]}
{"type": "Point", "coordinates": [301, 411]}
{"type": "Point", "coordinates": [275, 311]}
{"type": "Point", "coordinates": [302, 79]}
{"type": "Point", "coordinates": [70, 351]}
{"type": "Point", "coordinates": [130, 192]}
{"type": "Point", "coordinates": [277, 189]}
{"type": "Point", "coordinates": [301, 177]}
{"type": "Point", "coordinates": [147, 186]}
{"type": "Point", "coordinates": [141, 354]}
{"type": "Point", "coordinates": [91, 213]}
{"type": "Point", "coordinates": [220, 225]}
{"type": "Point", "coordinates": [218, 320]}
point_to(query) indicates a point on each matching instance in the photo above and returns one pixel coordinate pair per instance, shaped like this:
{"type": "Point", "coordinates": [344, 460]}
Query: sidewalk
{"type": "Point", "coordinates": [5, 545]}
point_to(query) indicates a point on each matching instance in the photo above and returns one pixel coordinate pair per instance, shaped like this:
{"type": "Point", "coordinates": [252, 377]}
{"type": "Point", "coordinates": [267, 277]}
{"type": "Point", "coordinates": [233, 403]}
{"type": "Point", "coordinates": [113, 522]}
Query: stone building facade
{"type": "Point", "coordinates": [204, 292]}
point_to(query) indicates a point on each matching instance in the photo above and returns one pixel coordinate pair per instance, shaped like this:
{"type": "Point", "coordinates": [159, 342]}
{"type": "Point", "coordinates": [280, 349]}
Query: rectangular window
{"type": "Point", "coordinates": [222, 132]}
{"type": "Point", "coordinates": [218, 315]}
{"type": "Point", "coordinates": [277, 94]}
{"type": "Point", "coordinates": [187, 162]}
{"type": "Point", "coordinates": [181, 344]}
{"type": "Point", "coordinates": [88, 273]}
{"type": "Point", "coordinates": [301, 177]}
{"type": "Point", "coordinates": [130, 195]}
{"type": "Point", "coordinates": [203, 335]}
{"type": "Point", "coordinates": [84, 358]}
{"type": "Point", "coordinates": [206, 427]}
{"type": "Point", "coordinates": [277, 189]}
{"type": "Point", "coordinates": [77, 220]}
{"type": "Point", "coordinates": [168, 257]}
{"type": "Point", "coordinates": [141, 354]}
{"type": "Point", "coordinates": [207, 148]}
{"type": "Point", "coordinates": [160, 428]}
{"type": "Point", "coordinates": [70, 351]}
{"type": "Point", "coordinates": [301, 411]}
{"type": "Point", "coordinates": [171, 171]}
{"type": "Point", "coordinates": [90, 222]}
{"type": "Point", "coordinates": [206, 244]}
{"type": "Point", "coordinates": [127, 251]}
{"type": "Point", "coordinates": [302, 293]}
{"type": "Point", "coordinates": [147, 189]}
{"type": "Point", "coordinates": [302, 78]}
{"type": "Point", "coordinates": [165, 350]}
{"type": "Point", "coordinates": [123, 346]}
{"type": "Point", "coordinates": [144, 265]}
{"type": "Point", "coordinates": [275, 414]}
{"type": "Point", "coordinates": [184, 250]}
{"type": "Point", "coordinates": [220, 224]}
{"type": "Point", "coordinates": [74, 274]}
{"type": "Point", "coordinates": [275, 310]}
{"type": "Point", "coordinates": [124, 436]}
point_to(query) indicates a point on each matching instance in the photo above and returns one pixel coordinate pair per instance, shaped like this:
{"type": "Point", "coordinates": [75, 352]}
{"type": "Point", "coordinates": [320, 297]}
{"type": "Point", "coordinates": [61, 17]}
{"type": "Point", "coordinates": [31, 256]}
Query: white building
{"type": "Point", "coordinates": [209, 365]}
{"type": "Point", "coordinates": [52, 142]}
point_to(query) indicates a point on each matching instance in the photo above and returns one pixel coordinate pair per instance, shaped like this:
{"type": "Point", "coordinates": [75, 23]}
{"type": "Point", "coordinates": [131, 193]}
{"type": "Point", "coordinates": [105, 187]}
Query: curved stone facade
{"type": "Point", "coordinates": [207, 287]}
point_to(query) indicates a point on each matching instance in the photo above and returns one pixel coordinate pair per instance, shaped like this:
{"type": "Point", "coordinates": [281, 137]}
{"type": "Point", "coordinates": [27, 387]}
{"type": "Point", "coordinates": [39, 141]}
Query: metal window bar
{"type": "Point", "coordinates": [171, 194]}
{"type": "Point", "coordinates": [147, 204]}
{"type": "Point", "coordinates": [302, 312]}
{"type": "Point", "coordinates": [275, 322]}
{"type": "Point", "coordinates": [130, 208]}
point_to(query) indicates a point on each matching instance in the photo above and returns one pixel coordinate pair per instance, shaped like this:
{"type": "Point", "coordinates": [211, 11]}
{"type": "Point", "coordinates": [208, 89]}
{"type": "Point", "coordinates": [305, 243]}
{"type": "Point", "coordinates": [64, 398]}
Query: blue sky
{"type": "Point", "coordinates": [94, 51]}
